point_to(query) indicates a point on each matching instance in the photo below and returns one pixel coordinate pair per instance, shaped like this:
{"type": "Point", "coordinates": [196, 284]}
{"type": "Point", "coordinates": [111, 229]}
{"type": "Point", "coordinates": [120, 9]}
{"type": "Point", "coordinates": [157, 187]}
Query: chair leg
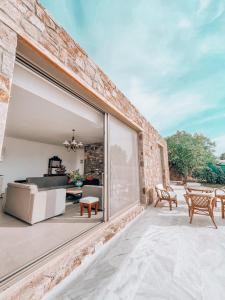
{"type": "Point", "coordinates": [222, 209]}
{"type": "Point", "coordinates": [81, 209]}
{"type": "Point", "coordinates": [89, 210]}
{"type": "Point", "coordinates": [157, 202]}
{"type": "Point", "coordinates": [170, 202]}
{"type": "Point", "coordinates": [212, 217]}
{"type": "Point", "coordinates": [176, 202]}
{"type": "Point", "coordinates": [189, 211]}
{"type": "Point", "coordinates": [191, 214]}
{"type": "Point", "coordinates": [96, 208]}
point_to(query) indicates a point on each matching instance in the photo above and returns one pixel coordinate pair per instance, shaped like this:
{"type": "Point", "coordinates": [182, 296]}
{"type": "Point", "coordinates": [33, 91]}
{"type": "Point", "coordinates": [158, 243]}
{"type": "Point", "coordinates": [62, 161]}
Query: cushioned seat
{"type": "Point", "coordinates": [89, 200]}
{"type": "Point", "coordinates": [165, 193]}
{"type": "Point", "coordinates": [173, 195]}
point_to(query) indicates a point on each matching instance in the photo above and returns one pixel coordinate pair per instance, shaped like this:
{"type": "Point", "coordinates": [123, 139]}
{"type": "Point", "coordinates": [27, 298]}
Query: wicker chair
{"type": "Point", "coordinates": [201, 204]}
{"type": "Point", "coordinates": [165, 194]}
{"type": "Point", "coordinates": [220, 196]}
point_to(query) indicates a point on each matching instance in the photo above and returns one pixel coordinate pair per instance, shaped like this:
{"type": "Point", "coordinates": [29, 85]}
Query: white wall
{"type": "Point", "coordinates": [22, 158]}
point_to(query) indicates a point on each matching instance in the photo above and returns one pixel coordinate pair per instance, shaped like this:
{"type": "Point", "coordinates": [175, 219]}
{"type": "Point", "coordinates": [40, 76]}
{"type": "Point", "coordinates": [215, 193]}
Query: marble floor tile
{"type": "Point", "coordinates": [159, 256]}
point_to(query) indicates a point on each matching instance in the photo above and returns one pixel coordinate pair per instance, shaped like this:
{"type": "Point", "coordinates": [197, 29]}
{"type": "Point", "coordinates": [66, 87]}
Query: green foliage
{"type": "Point", "coordinates": [210, 174]}
{"type": "Point", "coordinates": [222, 156]}
{"type": "Point", "coordinates": [188, 152]}
{"type": "Point", "coordinates": [75, 176]}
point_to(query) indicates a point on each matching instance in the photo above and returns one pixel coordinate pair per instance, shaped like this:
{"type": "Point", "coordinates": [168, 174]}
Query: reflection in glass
{"type": "Point", "coordinates": [123, 166]}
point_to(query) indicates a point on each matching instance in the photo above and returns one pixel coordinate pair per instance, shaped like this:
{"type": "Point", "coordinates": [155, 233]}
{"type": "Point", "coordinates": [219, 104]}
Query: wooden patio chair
{"type": "Point", "coordinates": [220, 196]}
{"type": "Point", "coordinates": [165, 194]}
{"type": "Point", "coordinates": [201, 204]}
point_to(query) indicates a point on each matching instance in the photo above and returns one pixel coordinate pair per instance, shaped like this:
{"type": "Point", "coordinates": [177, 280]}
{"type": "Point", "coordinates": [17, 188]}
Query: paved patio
{"type": "Point", "coordinates": [159, 256]}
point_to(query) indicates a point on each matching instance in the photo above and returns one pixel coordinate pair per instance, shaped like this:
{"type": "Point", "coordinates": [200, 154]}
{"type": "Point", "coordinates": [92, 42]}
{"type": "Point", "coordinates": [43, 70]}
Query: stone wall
{"type": "Point", "coordinates": [8, 42]}
{"type": "Point", "coordinates": [28, 20]}
{"type": "Point", "coordinates": [94, 160]}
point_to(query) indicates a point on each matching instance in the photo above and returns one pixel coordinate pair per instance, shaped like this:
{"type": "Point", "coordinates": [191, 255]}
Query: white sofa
{"type": "Point", "coordinates": [26, 202]}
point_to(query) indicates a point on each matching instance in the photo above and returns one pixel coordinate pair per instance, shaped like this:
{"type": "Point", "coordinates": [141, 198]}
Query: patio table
{"type": "Point", "coordinates": [203, 189]}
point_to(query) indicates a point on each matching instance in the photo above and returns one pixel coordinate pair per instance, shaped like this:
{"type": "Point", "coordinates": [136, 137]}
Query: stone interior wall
{"type": "Point", "coordinates": [28, 20]}
{"type": "Point", "coordinates": [94, 160]}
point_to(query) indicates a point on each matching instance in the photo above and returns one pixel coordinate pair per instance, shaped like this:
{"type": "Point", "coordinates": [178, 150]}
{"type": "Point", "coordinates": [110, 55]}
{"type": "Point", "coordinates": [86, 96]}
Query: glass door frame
{"type": "Point", "coordinates": [107, 177]}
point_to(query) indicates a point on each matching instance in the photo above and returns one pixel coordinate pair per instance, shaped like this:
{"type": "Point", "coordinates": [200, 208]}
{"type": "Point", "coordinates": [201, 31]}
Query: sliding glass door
{"type": "Point", "coordinates": [124, 189]}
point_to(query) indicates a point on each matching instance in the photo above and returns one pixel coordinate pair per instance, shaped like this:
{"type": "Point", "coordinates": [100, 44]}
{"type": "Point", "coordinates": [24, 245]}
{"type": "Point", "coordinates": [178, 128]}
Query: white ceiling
{"type": "Point", "coordinates": [36, 118]}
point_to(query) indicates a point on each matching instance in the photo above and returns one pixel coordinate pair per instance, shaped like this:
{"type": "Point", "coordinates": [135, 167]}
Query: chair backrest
{"type": "Point", "coordinates": [159, 188]}
{"type": "Point", "coordinates": [220, 192]}
{"type": "Point", "coordinates": [201, 200]}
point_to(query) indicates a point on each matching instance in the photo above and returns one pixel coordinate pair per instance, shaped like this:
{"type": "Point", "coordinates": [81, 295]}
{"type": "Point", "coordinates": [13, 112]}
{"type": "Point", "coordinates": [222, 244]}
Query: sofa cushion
{"type": "Point", "coordinates": [88, 200]}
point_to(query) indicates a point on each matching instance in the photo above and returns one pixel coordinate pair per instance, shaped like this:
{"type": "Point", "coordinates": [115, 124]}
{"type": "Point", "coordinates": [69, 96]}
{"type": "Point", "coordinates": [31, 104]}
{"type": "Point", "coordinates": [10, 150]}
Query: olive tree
{"type": "Point", "coordinates": [188, 152]}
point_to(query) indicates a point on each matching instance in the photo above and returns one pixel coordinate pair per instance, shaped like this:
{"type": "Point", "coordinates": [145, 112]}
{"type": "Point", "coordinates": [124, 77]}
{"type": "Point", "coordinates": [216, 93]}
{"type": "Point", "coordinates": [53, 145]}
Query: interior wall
{"type": "Point", "coordinates": [23, 158]}
{"type": "Point", "coordinates": [94, 160]}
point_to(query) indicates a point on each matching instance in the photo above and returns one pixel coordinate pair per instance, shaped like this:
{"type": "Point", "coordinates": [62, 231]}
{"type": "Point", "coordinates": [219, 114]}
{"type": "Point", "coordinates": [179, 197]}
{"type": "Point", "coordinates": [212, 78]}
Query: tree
{"type": "Point", "coordinates": [222, 156]}
{"type": "Point", "coordinates": [210, 174]}
{"type": "Point", "coordinates": [188, 152]}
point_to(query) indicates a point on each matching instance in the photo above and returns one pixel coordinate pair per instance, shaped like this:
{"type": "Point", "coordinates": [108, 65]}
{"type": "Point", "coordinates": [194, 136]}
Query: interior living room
{"type": "Point", "coordinates": [52, 171]}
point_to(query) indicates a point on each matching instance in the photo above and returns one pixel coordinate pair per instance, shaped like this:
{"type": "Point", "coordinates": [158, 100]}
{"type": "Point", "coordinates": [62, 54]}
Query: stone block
{"type": "Point", "coordinates": [30, 29]}
{"type": "Point", "coordinates": [10, 10]}
{"type": "Point", "coordinates": [8, 64]}
{"type": "Point", "coordinates": [35, 21]}
{"type": "Point", "coordinates": [45, 18]}
{"type": "Point", "coordinates": [8, 38]}
{"type": "Point", "coordinates": [49, 45]}
{"type": "Point", "coordinates": [30, 4]}
{"type": "Point", "coordinates": [4, 88]}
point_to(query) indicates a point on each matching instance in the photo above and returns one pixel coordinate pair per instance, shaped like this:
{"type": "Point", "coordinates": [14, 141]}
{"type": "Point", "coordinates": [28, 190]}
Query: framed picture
{"type": "Point", "coordinates": [54, 163]}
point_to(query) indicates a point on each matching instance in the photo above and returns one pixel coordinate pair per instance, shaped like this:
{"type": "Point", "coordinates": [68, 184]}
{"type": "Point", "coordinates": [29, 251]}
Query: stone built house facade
{"type": "Point", "coordinates": [27, 31]}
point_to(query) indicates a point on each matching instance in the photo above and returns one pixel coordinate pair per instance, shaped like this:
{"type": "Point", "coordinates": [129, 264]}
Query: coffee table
{"type": "Point", "coordinates": [75, 191]}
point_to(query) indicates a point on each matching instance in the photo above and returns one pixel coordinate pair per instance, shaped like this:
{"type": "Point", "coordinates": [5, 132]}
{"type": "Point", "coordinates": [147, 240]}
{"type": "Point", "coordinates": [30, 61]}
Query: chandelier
{"type": "Point", "coordinates": [73, 144]}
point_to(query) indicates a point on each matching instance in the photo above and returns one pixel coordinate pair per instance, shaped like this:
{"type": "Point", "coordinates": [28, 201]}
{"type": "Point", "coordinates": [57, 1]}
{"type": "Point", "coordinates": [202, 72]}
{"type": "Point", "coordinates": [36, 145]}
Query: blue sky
{"type": "Point", "coordinates": [168, 57]}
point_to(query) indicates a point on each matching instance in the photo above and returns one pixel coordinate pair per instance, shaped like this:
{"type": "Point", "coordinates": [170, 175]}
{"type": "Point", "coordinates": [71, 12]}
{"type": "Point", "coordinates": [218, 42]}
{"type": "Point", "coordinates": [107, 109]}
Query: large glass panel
{"type": "Point", "coordinates": [123, 166]}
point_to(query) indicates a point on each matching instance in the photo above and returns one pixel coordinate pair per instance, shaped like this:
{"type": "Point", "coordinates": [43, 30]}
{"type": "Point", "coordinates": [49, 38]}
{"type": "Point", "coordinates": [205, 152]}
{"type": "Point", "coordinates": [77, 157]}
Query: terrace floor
{"type": "Point", "coordinates": [158, 256]}
{"type": "Point", "coordinates": [22, 244]}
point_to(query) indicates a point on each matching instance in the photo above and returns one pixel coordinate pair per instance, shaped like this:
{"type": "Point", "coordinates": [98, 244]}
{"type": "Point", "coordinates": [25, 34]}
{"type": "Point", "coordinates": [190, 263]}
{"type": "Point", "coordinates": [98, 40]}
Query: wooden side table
{"type": "Point", "coordinates": [89, 203]}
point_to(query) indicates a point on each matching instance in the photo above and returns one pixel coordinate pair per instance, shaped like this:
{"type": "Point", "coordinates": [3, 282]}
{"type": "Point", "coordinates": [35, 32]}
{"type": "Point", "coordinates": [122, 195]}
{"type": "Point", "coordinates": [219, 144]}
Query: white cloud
{"type": "Point", "coordinates": [203, 5]}
{"type": "Point", "coordinates": [219, 12]}
{"type": "Point", "coordinates": [184, 23]}
{"type": "Point", "coordinates": [165, 111]}
{"type": "Point", "coordinates": [220, 144]}
{"type": "Point", "coordinates": [213, 117]}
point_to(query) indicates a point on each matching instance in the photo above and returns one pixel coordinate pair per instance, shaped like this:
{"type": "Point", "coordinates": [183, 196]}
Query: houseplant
{"type": "Point", "coordinates": [76, 178]}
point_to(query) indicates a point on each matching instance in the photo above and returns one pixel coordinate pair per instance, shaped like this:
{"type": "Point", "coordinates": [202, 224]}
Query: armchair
{"type": "Point", "coordinates": [220, 195]}
{"type": "Point", "coordinates": [201, 204]}
{"type": "Point", "coordinates": [166, 194]}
